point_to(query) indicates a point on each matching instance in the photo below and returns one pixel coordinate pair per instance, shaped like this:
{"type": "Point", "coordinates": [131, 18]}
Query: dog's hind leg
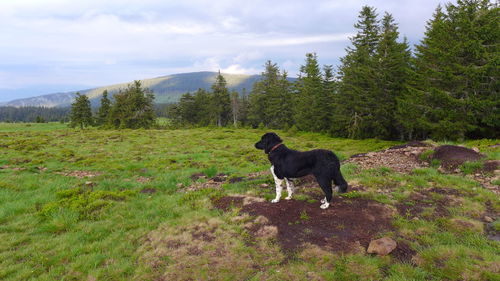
{"type": "Point", "coordinates": [338, 179]}
{"type": "Point", "coordinates": [289, 188]}
{"type": "Point", "coordinates": [279, 188]}
{"type": "Point", "coordinates": [326, 185]}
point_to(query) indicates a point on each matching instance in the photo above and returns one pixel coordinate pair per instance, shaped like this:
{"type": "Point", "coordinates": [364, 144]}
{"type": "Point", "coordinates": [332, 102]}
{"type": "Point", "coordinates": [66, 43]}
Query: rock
{"type": "Point", "coordinates": [488, 219]}
{"type": "Point", "coordinates": [475, 149]}
{"type": "Point", "coordinates": [264, 185]}
{"type": "Point", "coordinates": [89, 183]}
{"type": "Point", "coordinates": [179, 185]}
{"type": "Point", "coordinates": [382, 246]}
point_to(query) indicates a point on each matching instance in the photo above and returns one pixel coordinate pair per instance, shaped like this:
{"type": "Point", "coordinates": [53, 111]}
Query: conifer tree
{"type": "Point", "coordinates": [103, 112]}
{"type": "Point", "coordinates": [133, 108]}
{"type": "Point", "coordinates": [308, 88]}
{"type": "Point", "coordinates": [454, 91]}
{"type": "Point", "coordinates": [220, 101]}
{"type": "Point", "coordinates": [270, 102]}
{"type": "Point", "coordinates": [393, 64]}
{"type": "Point", "coordinates": [353, 115]}
{"type": "Point", "coordinates": [81, 114]}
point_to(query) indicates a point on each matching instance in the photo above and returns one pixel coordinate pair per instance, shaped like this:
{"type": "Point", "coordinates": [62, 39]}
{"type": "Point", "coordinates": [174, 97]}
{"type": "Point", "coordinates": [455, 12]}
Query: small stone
{"type": "Point", "coordinates": [179, 185]}
{"type": "Point", "coordinates": [382, 246]}
{"type": "Point", "coordinates": [264, 185]}
{"type": "Point", "coordinates": [475, 149]}
{"type": "Point", "coordinates": [488, 219]}
{"type": "Point", "coordinates": [89, 183]}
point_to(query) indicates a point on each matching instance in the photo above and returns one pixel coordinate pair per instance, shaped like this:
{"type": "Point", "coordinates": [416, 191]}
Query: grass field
{"type": "Point", "coordinates": [118, 205]}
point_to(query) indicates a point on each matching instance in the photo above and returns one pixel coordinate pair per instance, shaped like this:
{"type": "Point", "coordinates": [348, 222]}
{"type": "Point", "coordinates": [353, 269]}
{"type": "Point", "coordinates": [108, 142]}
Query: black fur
{"type": "Point", "coordinates": [288, 163]}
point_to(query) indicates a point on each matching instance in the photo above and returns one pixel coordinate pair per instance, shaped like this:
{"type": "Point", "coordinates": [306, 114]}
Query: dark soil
{"type": "Point", "coordinates": [225, 203]}
{"type": "Point", "coordinates": [411, 144]}
{"type": "Point", "coordinates": [490, 166]}
{"type": "Point", "coordinates": [403, 252]}
{"type": "Point", "coordinates": [219, 178]}
{"type": "Point", "coordinates": [452, 156]}
{"type": "Point", "coordinates": [148, 190]}
{"type": "Point", "coordinates": [344, 226]}
{"type": "Point", "coordinates": [197, 176]}
{"type": "Point", "coordinates": [235, 180]}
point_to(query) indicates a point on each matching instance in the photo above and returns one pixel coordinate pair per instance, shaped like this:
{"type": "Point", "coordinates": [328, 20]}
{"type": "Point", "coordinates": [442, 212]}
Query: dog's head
{"type": "Point", "coordinates": [268, 141]}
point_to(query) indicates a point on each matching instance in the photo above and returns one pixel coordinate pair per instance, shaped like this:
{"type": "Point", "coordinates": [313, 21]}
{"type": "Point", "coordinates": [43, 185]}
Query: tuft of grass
{"type": "Point", "coordinates": [471, 167]}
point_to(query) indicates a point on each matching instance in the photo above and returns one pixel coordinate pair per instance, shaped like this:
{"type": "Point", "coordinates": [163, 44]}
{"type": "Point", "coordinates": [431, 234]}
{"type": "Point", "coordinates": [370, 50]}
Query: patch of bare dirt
{"type": "Point", "coordinates": [225, 203]}
{"type": "Point", "coordinates": [142, 179]}
{"type": "Point", "coordinates": [213, 182]}
{"type": "Point", "coordinates": [403, 252]}
{"type": "Point", "coordinates": [343, 227]}
{"type": "Point", "coordinates": [452, 156]}
{"type": "Point", "coordinates": [401, 158]}
{"type": "Point", "coordinates": [7, 167]}
{"type": "Point", "coordinates": [148, 190]}
{"type": "Point", "coordinates": [80, 174]}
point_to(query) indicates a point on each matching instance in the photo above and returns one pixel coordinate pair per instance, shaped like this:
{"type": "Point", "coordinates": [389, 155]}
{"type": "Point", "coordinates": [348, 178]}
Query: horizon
{"type": "Point", "coordinates": [54, 46]}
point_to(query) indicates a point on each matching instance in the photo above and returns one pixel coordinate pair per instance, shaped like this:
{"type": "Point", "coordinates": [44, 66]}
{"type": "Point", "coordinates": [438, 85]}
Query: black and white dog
{"type": "Point", "coordinates": [287, 164]}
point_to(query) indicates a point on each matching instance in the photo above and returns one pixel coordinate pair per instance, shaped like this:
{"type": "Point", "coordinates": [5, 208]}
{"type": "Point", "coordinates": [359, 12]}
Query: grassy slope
{"type": "Point", "coordinates": [49, 235]}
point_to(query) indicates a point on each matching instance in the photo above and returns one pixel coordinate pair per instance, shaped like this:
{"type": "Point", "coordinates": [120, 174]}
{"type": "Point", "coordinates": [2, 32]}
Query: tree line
{"type": "Point", "coordinates": [33, 114]}
{"type": "Point", "coordinates": [447, 88]}
{"type": "Point", "coordinates": [130, 108]}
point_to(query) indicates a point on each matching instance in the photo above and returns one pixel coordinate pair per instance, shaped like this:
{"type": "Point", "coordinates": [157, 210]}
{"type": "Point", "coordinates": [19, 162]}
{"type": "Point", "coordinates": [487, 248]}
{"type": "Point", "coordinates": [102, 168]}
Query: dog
{"type": "Point", "coordinates": [287, 164]}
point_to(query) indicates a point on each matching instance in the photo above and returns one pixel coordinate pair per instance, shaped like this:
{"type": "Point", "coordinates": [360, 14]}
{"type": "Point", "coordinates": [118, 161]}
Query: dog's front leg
{"type": "Point", "coordinates": [289, 188]}
{"type": "Point", "coordinates": [279, 189]}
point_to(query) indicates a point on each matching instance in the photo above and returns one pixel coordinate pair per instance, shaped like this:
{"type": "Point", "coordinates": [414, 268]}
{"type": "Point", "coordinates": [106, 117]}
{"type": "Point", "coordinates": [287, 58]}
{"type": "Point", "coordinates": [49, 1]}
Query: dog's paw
{"type": "Point", "coordinates": [275, 201]}
{"type": "Point", "coordinates": [288, 197]}
{"type": "Point", "coordinates": [323, 201]}
{"type": "Point", "coordinates": [325, 205]}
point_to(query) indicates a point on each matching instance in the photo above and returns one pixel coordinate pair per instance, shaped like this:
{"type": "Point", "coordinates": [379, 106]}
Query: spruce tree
{"type": "Point", "coordinates": [454, 92]}
{"type": "Point", "coordinates": [308, 88]}
{"type": "Point", "coordinates": [220, 105]}
{"type": "Point", "coordinates": [133, 108]}
{"type": "Point", "coordinates": [270, 100]}
{"type": "Point", "coordinates": [355, 101]}
{"type": "Point", "coordinates": [81, 114]}
{"type": "Point", "coordinates": [103, 112]}
{"type": "Point", "coordinates": [393, 64]}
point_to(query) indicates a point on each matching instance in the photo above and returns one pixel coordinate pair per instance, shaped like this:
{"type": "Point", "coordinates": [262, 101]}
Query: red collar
{"type": "Point", "coordinates": [274, 147]}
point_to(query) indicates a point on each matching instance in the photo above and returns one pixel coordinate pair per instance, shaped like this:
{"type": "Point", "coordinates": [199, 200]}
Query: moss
{"type": "Point", "coordinates": [86, 203]}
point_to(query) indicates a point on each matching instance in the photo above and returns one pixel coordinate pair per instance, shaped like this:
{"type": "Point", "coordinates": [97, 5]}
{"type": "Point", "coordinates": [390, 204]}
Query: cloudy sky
{"type": "Point", "coordinates": [61, 45]}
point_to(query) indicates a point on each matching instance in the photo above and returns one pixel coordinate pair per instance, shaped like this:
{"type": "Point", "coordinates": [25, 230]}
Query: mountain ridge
{"type": "Point", "coordinates": [166, 89]}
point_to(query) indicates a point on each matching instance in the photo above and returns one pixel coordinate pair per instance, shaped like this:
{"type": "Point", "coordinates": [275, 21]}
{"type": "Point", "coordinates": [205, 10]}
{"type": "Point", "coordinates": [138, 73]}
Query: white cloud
{"type": "Point", "coordinates": [288, 41]}
{"type": "Point", "coordinates": [99, 42]}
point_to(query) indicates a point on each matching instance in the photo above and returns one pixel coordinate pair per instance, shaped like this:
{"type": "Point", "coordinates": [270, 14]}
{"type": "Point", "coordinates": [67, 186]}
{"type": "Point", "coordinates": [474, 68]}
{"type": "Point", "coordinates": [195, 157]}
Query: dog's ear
{"type": "Point", "coordinates": [275, 138]}
{"type": "Point", "coordinates": [271, 139]}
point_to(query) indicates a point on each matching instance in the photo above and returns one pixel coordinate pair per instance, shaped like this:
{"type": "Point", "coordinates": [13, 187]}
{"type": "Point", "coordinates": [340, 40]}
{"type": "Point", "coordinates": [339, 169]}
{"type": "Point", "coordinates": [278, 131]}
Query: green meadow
{"type": "Point", "coordinates": [99, 204]}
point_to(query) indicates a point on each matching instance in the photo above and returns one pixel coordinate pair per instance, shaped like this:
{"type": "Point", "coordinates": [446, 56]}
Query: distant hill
{"type": "Point", "coordinates": [166, 89]}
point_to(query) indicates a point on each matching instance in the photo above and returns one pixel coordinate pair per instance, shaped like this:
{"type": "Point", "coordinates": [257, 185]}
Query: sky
{"type": "Point", "coordinates": [49, 46]}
